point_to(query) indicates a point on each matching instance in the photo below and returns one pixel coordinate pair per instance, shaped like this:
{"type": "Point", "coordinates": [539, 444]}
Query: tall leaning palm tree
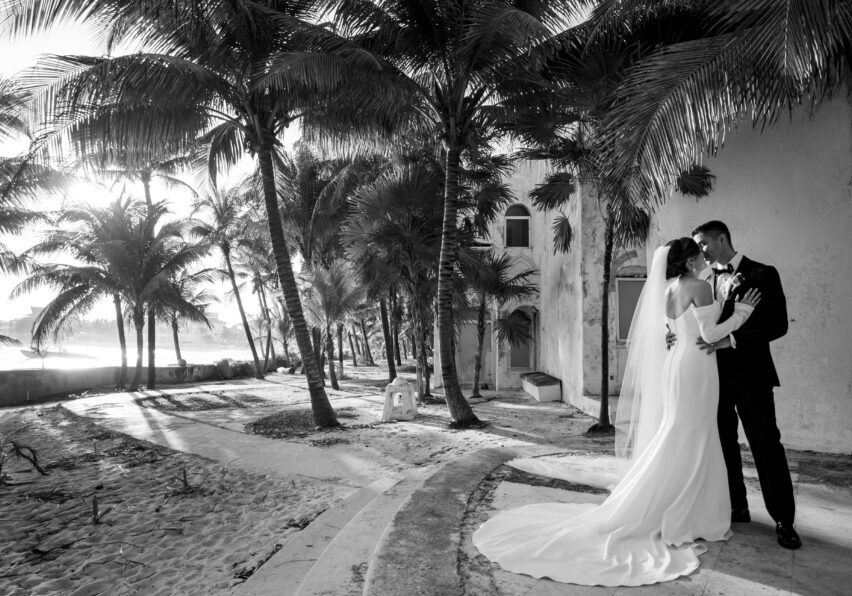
{"type": "Point", "coordinates": [209, 74]}
{"type": "Point", "coordinates": [457, 60]}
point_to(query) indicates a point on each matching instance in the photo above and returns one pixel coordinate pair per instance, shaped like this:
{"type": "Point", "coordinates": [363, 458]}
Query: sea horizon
{"type": "Point", "coordinates": [78, 355]}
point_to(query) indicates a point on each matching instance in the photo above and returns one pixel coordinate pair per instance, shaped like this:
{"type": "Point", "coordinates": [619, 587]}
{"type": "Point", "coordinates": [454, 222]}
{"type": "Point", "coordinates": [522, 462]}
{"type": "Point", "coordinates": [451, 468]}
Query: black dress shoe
{"type": "Point", "coordinates": [740, 516]}
{"type": "Point", "coordinates": [787, 536]}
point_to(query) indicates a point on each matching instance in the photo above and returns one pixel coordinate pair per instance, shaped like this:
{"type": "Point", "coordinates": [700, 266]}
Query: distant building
{"type": "Point", "coordinates": [21, 327]}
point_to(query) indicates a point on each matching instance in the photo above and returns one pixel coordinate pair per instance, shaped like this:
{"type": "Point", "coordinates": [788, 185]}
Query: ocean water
{"type": "Point", "coordinates": [74, 355]}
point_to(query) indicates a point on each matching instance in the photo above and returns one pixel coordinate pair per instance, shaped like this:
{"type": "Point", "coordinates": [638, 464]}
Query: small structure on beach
{"type": "Point", "coordinates": [399, 401]}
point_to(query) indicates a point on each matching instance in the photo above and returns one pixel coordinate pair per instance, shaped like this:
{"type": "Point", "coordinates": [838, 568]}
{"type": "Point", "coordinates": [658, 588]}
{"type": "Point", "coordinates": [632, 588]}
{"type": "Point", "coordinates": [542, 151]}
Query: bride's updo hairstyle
{"type": "Point", "coordinates": [680, 251]}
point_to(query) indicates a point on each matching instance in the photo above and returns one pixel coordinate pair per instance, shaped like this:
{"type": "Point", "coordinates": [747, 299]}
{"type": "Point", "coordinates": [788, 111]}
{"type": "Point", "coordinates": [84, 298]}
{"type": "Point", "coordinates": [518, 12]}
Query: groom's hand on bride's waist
{"type": "Point", "coordinates": [710, 348]}
{"type": "Point", "coordinates": [671, 338]}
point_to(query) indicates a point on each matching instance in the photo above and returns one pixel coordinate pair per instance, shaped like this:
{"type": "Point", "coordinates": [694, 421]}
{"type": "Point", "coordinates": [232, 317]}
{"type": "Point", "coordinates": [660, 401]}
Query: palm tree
{"type": "Point", "coordinates": [220, 72]}
{"type": "Point", "coordinates": [368, 355]}
{"type": "Point", "coordinates": [563, 127]}
{"type": "Point", "coordinates": [144, 257]}
{"type": "Point", "coordinates": [490, 277]}
{"type": "Point", "coordinates": [126, 253]}
{"type": "Point", "coordinates": [332, 295]}
{"type": "Point", "coordinates": [457, 60]}
{"type": "Point", "coordinates": [745, 61]}
{"type": "Point", "coordinates": [313, 193]}
{"type": "Point", "coordinates": [23, 183]}
{"type": "Point", "coordinates": [395, 233]}
{"type": "Point", "coordinates": [254, 261]}
{"type": "Point", "coordinates": [187, 285]}
{"type": "Point", "coordinates": [226, 227]}
{"type": "Point", "coordinates": [82, 234]}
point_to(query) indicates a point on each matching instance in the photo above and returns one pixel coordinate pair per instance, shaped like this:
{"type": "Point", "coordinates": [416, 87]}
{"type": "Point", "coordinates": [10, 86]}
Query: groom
{"type": "Point", "coordinates": [747, 377]}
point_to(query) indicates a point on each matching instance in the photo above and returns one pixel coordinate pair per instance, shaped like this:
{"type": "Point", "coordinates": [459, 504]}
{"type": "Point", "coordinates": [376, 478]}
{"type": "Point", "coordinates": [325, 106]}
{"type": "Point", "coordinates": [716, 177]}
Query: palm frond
{"type": "Point", "coordinates": [563, 234]}
{"type": "Point", "coordinates": [555, 192]}
{"type": "Point", "coordinates": [513, 328]}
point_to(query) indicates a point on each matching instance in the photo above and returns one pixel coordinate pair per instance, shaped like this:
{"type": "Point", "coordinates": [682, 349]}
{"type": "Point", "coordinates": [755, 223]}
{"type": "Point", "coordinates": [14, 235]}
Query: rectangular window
{"type": "Point", "coordinates": [627, 290]}
{"type": "Point", "coordinates": [518, 232]}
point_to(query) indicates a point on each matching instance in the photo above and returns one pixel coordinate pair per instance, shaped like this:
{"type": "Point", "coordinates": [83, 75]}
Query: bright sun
{"type": "Point", "coordinates": [96, 195]}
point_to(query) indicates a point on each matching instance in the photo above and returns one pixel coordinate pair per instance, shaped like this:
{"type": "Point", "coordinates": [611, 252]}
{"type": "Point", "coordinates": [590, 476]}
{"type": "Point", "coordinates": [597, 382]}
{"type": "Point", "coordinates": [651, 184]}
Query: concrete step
{"type": "Point", "coordinates": [331, 555]}
{"type": "Point", "coordinates": [342, 566]}
{"type": "Point", "coordinates": [418, 553]}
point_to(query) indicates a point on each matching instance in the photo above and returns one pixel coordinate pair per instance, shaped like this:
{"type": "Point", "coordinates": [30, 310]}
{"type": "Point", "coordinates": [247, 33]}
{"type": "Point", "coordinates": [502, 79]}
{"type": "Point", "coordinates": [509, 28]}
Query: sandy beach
{"type": "Point", "coordinates": [157, 534]}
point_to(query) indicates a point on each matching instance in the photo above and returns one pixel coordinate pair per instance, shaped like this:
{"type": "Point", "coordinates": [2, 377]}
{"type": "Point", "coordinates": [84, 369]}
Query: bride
{"type": "Point", "coordinates": [675, 490]}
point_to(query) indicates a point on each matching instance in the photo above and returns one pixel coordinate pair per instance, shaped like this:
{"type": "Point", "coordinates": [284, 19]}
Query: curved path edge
{"type": "Point", "coordinates": [418, 553]}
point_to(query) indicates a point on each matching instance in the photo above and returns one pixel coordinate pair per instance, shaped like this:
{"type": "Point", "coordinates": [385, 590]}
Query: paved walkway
{"type": "Point", "coordinates": [401, 534]}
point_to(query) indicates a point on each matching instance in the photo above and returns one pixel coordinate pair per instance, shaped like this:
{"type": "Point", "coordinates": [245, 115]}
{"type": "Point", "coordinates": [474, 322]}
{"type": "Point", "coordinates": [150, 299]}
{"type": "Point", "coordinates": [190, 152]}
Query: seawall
{"type": "Point", "coordinates": [20, 387]}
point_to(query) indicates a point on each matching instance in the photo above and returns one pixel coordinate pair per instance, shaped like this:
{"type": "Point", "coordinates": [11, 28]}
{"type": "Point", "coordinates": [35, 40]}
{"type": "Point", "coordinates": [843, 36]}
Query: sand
{"type": "Point", "coordinates": [157, 534]}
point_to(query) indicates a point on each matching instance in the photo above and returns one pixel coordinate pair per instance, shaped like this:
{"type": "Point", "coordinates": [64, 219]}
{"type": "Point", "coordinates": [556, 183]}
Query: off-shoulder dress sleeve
{"type": "Point", "coordinates": [711, 331]}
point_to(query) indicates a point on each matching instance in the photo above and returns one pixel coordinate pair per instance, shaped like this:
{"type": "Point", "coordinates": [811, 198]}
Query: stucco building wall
{"type": "Point", "coordinates": [786, 196]}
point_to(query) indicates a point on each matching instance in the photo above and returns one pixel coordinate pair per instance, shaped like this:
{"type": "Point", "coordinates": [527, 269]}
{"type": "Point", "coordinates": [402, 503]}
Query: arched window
{"type": "Point", "coordinates": [517, 226]}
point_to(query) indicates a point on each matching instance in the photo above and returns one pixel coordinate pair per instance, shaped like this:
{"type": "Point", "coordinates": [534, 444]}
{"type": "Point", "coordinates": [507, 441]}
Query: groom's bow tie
{"type": "Point", "coordinates": [726, 269]}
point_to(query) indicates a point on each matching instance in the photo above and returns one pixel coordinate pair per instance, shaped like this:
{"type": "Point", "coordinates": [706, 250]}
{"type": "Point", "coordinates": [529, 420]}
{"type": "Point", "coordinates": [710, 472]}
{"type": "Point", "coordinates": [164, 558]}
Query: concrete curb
{"type": "Point", "coordinates": [285, 572]}
{"type": "Point", "coordinates": [418, 553]}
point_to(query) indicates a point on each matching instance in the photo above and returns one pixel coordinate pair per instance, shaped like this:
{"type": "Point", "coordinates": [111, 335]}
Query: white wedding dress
{"type": "Point", "coordinates": [675, 492]}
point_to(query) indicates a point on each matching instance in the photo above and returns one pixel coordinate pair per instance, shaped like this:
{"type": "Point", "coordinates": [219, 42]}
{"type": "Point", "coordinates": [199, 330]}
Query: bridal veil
{"type": "Point", "coordinates": [640, 403]}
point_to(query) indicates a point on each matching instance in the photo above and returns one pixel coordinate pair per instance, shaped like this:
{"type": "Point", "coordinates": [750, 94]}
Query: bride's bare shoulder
{"type": "Point", "coordinates": [699, 291]}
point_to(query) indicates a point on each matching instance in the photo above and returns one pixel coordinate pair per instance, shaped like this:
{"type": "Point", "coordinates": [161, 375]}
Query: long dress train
{"type": "Point", "coordinates": [674, 493]}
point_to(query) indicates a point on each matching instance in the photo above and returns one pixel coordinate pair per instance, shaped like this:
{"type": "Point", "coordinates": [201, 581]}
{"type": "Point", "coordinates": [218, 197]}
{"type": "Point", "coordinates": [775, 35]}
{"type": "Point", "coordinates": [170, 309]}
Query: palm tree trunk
{"type": "Point", "coordinates": [321, 409]}
{"type": "Point", "coordinates": [395, 322]}
{"type": "Point", "coordinates": [227, 254]}
{"type": "Point", "coordinates": [383, 307]}
{"type": "Point", "coordinates": [265, 317]}
{"type": "Point", "coordinates": [122, 340]}
{"type": "Point", "coordinates": [603, 419]}
{"type": "Point", "coordinates": [367, 354]}
{"type": "Point", "coordinates": [146, 184]}
{"type": "Point", "coordinates": [139, 323]}
{"type": "Point", "coordinates": [480, 336]}
{"type": "Point", "coordinates": [329, 343]}
{"type": "Point", "coordinates": [340, 347]}
{"type": "Point", "coordinates": [427, 392]}
{"type": "Point", "coordinates": [420, 358]}
{"type": "Point", "coordinates": [264, 308]}
{"type": "Point", "coordinates": [175, 339]}
{"type": "Point", "coordinates": [460, 410]}
{"type": "Point", "coordinates": [352, 349]}
{"type": "Point", "coordinates": [268, 350]}
{"type": "Point", "coordinates": [353, 334]}
{"type": "Point", "coordinates": [284, 338]}
{"type": "Point", "coordinates": [316, 334]}
{"type": "Point", "coordinates": [152, 344]}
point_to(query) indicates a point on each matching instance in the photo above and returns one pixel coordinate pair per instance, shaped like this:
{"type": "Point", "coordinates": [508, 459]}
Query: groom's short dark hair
{"type": "Point", "coordinates": [714, 228]}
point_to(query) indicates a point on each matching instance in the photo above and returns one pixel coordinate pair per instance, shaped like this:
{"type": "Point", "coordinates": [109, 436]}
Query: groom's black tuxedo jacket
{"type": "Point", "coordinates": [750, 363]}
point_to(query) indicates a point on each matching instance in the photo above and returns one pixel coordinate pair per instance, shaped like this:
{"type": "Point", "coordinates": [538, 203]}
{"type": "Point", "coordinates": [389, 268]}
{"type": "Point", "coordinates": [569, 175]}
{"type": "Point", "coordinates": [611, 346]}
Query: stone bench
{"type": "Point", "coordinates": [542, 386]}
